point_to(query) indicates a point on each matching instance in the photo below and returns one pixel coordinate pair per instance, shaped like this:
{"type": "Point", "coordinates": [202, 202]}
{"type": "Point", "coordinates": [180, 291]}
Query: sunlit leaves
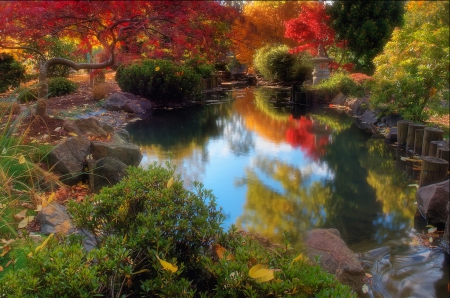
{"type": "Point", "coordinates": [222, 253]}
{"type": "Point", "coordinates": [167, 266]}
{"type": "Point", "coordinates": [260, 273]}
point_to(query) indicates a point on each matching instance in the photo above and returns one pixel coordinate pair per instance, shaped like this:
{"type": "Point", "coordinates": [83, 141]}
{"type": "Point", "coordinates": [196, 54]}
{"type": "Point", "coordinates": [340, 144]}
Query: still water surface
{"type": "Point", "coordinates": [275, 167]}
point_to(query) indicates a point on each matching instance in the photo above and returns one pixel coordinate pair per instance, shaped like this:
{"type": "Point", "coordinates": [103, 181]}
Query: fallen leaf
{"type": "Point", "coordinates": [261, 273]}
{"type": "Point", "coordinates": [369, 275]}
{"type": "Point", "coordinates": [25, 222]}
{"type": "Point", "coordinates": [6, 249]}
{"type": "Point", "coordinates": [222, 251]}
{"type": "Point", "coordinates": [72, 134]}
{"type": "Point", "coordinates": [21, 215]}
{"type": "Point", "coordinates": [43, 243]}
{"type": "Point", "coordinates": [170, 182]}
{"type": "Point", "coordinates": [6, 242]}
{"type": "Point", "coordinates": [58, 128]}
{"type": "Point", "coordinates": [21, 159]}
{"type": "Point", "coordinates": [38, 208]}
{"type": "Point", "coordinates": [167, 265]}
{"type": "Point", "coordinates": [2, 206]}
{"type": "Point", "coordinates": [140, 271]}
{"type": "Point", "coordinates": [432, 230]}
{"type": "Point", "coordinates": [300, 257]}
{"type": "Point", "coordinates": [365, 289]}
{"type": "Point", "coordinates": [9, 263]}
{"type": "Point", "coordinates": [1, 268]}
{"type": "Point", "coordinates": [27, 205]}
{"type": "Point", "coordinates": [157, 68]}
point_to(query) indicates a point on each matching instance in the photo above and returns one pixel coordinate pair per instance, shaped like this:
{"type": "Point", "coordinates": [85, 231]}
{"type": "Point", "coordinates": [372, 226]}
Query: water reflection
{"type": "Point", "coordinates": [275, 168]}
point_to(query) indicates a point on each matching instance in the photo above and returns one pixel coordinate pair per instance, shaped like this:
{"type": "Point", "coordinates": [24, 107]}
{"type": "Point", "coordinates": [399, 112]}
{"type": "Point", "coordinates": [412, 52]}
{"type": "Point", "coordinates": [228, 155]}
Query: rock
{"type": "Point", "coordinates": [108, 128]}
{"type": "Point", "coordinates": [339, 99]}
{"type": "Point", "coordinates": [115, 102]}
{"type": "Point", "coordinates": [54, 219]}
{"type": "Point", "coordinates": [446, 237]}
{"type": "Point", "coordinates": [123, 134]}
{"type": "Point", "coordinates": [127, 153]}
{"type": "Point", "coordinates": [391, 120]}
{"type": "Point", "coordinates": [67, 159]}
{"type": "Point", "coordinates": [335, 257]}
{"type": "Point", "coordinates": [132, 107]}
{"type": "Point", "coordinates": [108, 171]}
{"type": "Point", "coordinates": [432, 201]}
{"type": "Point", "coordinates": [369, 116]}
{"type": "Point", "coordinates": [88, 126]}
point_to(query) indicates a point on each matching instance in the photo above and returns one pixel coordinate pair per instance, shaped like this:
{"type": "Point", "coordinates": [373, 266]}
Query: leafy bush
{"type": "Point", "coordinates": [61, 86]}
{"type": "Point", "coordinates": [277, 64]}
{"type": "Point", "coordinates": [201, 67]}
{"type": "Point", "coordinates": [11, 72]}
{"type": "Point", "coordinates": [159, 80]}
{"type": "Point", "coordinates": [343, 82]}
{"type": "Point", "coordinates": [156, 239]}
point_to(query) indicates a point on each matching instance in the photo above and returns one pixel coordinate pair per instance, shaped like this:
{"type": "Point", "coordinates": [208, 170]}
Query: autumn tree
{"type": "Point", "coordinates": [412, 72]}
{"type": "Point", "coordinates": [261, 23]}
{"type": "Point", "coordinates": [310, 29]}
{"type": "Point", "coordinates": [162, 28]}
{"type": "Point", "coordinates": [366, 26]}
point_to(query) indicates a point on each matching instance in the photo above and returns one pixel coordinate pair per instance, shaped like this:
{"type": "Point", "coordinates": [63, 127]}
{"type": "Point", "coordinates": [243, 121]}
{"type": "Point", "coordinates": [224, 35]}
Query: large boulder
{"type": "Point", "coordinates": [127, 153]}
{"type": "Point", "coordinates": [115, 102]}
{"type": "Point", "coordinates": [54, 219]}
{"type": "Point", "coordinates": [88, 126]}
{"type": "Point", "coordinates": [432, 201]}
{"type": "Point", "coordinates": [108, 171]}
{"type": "Point", "coordinates": [68, 159]}
{"type": "Point", "coordinates": [127, 102]}
{"type": "Point", "coordinates": [335, 257]}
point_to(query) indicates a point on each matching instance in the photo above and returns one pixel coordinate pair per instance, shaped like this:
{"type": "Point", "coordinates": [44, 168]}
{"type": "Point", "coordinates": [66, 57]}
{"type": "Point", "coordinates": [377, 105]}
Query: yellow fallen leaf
{"type": "Point", "coordinates": [25, 222]}
{"type": "Point", "coordinates": [73, 134]}
{"type": "Point", "coordinates": [6, 249]}
{"type": "Point", "coordinates": [260, 273]}
{"type": "Point", "coordinates": [43, 243]}
{"type": "Point", "coordinates": [369, 275]}
{"type": "Point", "coordinates": [170, 182]}
{"type": "Point", "coordinates": [6, 242]}
{"type": "Point", "coordinates": [2, 206]}
{"type": "Point", "coordinates": [21, 215]}
{"type": "Point", "coordinates": [157, 68]}
{"type": "Point", "coordinates": [1, 268]}
{"type": "Point", "coordinates": [21, 159]}
{"type": "Point", "coordinates": [300, 257]}
{"type": "Point", "coordinates": [167, 265]}
{"type": "Point", "coordinates": [221, 251]}
{"type": "Point", "coordinates": [51, 197]}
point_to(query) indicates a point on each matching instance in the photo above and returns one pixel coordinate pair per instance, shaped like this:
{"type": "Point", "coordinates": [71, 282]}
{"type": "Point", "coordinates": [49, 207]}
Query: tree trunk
{"type": "Point", "coordinates": [402, 131]}
{"type": "Point", "coordinates": [41, 107]}
{"type": "Point", "coordinates": [431, 134]}
{"type": "Point", "coordinates": [434, 170]}
{"type": "Point", "coordinates": [418, 140]}
{"type": "Point", "coordinates": [411, 134]}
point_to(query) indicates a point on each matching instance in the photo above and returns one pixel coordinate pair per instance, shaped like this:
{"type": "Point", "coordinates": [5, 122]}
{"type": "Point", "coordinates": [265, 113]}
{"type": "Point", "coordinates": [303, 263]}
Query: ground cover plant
{"type": "Point", "coordinates": [155, 238]}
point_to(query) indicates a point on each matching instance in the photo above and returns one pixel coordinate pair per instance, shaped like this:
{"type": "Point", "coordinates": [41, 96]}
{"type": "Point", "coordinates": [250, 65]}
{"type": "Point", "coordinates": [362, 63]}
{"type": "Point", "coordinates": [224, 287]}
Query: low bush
{"type": "Point", "coordinates": [351, 85]}
{"type": "Point", "coordinates": [100, 91]}
{"type": "Point", "coordinates": [154, 238]}
{"type": "Point", "coordinates": [60, 86]}
{"type": "Point", "coordinates": [159, 80]}
{"type": "Point", "coordinates": [275, 63]}
{"type": "Point", "coordinates": [11, 72]}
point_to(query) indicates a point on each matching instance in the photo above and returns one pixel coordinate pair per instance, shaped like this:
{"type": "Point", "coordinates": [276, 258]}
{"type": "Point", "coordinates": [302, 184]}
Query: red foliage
{"type": "Point", "coordinates": [172, 28]}
{"type": "Point", "coordinates": [311, 29]}
{"type": "Point", "coordinates": [360, 78]}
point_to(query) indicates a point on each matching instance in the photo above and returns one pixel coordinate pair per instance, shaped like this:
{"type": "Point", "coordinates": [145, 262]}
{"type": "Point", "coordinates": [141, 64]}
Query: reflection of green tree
{"type": "Point", "coordinates": [336, 122]}
{"type": "Point", "coordinates": [273, 103]}
{"type": "Point", "coordinates": [295, 209]}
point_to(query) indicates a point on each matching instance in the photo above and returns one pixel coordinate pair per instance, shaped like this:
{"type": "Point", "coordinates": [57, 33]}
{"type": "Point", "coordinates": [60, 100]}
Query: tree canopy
{"type": "Point", "coordinates": [366, 26]}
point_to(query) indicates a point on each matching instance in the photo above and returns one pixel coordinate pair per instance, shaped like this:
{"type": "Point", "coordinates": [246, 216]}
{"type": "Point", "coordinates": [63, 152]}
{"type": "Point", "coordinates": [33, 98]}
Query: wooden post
{"type": "Point", "coordinates": [443, 153]}
{"type": "Point", "coordinates": [431, 134]}
{"type": "Point", "coordinates": [434, 170]}
{"type": "Point", "coordinates": [434, 145]}
{"type": "Point", "coordinates": [402, 131]}
{"type": "Point", "coordinates": [418, 140]}
{"type": "Point", "coordinates": [411, 134]}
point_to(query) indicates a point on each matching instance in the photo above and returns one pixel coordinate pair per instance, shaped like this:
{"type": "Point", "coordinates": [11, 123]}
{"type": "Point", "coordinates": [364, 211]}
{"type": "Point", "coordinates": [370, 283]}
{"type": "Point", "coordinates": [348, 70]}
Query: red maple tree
{"type": "Point", "coordinates": [157, 28]}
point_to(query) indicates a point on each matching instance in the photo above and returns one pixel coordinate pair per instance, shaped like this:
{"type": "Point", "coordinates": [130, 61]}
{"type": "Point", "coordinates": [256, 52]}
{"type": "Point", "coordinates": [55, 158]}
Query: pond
{"type": "Point", "coordinates": [279, 169]}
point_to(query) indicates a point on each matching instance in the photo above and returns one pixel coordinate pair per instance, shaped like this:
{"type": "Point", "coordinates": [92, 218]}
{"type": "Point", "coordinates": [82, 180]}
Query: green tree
{"type": "Point", "coordinates": [412, 73]}
{"type": "Point", "coordinates": [366, 26]}
{"type": "Point", "coordinates": [11, 72]}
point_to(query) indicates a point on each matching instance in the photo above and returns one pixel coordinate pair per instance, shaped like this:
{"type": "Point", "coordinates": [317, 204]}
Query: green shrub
{"type": "Point", "coordinates": [275, 63]}
{"type": "Point", "coordinates": [11, 72]}
{"type": "Point", "coordinates": [341, 82]}
{"type": "Point", "coordinates": [145, 226]}
{"type": "Point", "coordinates": [60, 87]}
{"type": "Point", "coordinates": [159, 80]}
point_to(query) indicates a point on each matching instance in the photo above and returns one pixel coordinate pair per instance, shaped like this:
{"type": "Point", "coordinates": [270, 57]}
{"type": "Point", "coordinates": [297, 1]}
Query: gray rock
{"type": "Point", "coordinates": [108, 128]}
{"type": "Point", "coordinates": [127, 153]}
{"type": "Point", "coordinates": [339, 99]}
{"type": "Point", "coordinates": [88, 126]}
{"type": "Point", "coordinates": [369, 116]}
{"type": "Point", "coordinates": [123, 134]}
{"type": "Point", "coordinates": [432, 201]}
{"type": "Point", "coordinates": [54, 219]}
{"type": "Point", "coordinates": [335, 257]}
{"type": "Point", "coordinates": [115, 102]}
{"type": "Point", "coordinates": [132, 107]}
{"type": "Point", "coordinates": [67, 159]}
{"type": "Point", "coordinates": [108, 171]}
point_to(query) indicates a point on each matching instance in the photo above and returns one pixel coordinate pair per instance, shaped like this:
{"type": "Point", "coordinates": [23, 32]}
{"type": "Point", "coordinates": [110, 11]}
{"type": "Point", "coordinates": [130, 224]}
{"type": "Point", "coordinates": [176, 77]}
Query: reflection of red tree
{"type": "Point", "coordinates": [302, 135]}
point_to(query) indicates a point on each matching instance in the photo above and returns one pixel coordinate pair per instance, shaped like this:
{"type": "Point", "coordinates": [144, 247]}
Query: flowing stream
{"type": "Point", "coordinates": [279, 169]}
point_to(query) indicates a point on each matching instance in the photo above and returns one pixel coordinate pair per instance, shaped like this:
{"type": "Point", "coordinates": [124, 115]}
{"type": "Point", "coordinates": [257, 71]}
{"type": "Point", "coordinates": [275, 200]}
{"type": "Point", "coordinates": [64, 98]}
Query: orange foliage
{"type": "Point", "coordinates": [262, 23]}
